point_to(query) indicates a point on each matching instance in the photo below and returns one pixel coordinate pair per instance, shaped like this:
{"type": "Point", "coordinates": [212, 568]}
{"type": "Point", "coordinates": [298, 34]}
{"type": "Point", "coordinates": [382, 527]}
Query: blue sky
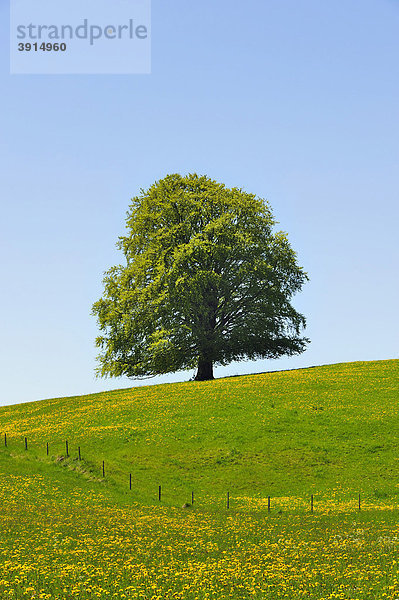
{"type": "Point", "coordinates": [297, 102]}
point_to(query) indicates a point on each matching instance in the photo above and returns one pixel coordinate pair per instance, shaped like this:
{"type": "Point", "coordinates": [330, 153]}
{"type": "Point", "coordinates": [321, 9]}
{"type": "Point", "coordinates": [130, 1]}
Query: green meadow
{"type": "Point", "coordinates": [70, 531]}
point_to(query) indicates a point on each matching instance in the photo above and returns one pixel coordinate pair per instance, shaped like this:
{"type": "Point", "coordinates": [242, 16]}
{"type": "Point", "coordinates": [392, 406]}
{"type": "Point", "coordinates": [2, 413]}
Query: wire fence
{"type": "Point", "coordinates": [268, 503]}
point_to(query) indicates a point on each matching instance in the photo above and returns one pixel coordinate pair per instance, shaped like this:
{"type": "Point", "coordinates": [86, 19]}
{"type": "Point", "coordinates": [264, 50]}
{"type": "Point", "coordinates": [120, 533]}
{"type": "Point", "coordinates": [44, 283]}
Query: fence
{"type": "Point", "coordinates": [228, 497]}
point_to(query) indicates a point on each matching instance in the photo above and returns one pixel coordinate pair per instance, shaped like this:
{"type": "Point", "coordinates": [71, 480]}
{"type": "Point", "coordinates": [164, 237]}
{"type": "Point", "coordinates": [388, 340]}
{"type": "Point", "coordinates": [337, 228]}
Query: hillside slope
{"type": "Point", "coordinates": [285, 433]}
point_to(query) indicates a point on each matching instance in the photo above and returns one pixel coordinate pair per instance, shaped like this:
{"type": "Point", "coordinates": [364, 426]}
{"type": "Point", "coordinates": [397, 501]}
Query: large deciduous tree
{"type": "Point", "coordinates": [205, 282]}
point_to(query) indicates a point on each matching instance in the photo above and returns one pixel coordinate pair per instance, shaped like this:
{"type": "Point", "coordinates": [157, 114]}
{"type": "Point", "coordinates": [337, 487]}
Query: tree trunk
{"type": "Point", "coordinates": [205, 370]}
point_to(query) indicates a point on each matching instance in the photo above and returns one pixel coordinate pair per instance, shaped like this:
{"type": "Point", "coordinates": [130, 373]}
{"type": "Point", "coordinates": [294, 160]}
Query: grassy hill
{"type": "Point", "coordinates": [69, 533]}
{"type": "Point", "coordinates": [288, 433]}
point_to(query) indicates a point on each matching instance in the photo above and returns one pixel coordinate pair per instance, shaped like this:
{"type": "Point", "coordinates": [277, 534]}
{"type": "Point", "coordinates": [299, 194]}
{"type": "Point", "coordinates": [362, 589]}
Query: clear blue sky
{"type": "Point", "coordinates": [295, 101]}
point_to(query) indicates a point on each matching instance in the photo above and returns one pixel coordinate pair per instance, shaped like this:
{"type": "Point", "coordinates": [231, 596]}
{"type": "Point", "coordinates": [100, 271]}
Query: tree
{"type": "Point", "coordinates": [205, 282]}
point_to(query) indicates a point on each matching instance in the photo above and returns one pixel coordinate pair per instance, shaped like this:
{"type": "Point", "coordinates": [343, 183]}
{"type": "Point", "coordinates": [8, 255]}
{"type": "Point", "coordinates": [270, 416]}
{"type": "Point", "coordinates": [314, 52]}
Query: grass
{"type": "Point", "coordinates": [329, 431]}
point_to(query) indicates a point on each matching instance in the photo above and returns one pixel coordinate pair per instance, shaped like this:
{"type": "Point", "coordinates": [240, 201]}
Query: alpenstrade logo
{"type": "Point", "coordinates": [85, 31]}
{"type": "Point", "coordinates": [55, 38]}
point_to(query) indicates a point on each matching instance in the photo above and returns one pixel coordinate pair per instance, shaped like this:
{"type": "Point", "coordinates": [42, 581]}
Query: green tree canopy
{"type": "Point", "coordinates": [205, 282]}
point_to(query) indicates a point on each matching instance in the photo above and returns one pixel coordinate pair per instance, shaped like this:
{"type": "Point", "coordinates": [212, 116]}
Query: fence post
{"type": "Point", "coordinates": [159, 493]}
{"type": "Point", "coordinates": [80, 458]}
{"type": "Point", "coordinates": [103, 469]}
{"type": "Point", "coordinates": [268, 504]}
{"type": "Point", "coordinates": [359, 501]}
{"type": "Point", "coordinates": [5, 440]}
{"type": "Point", "coordinates": [228, 500]}
{"type": "Point", "coordinates": [47, 448]}
{"type": "Point", "coordinates": [26, 443]}
{"type": "Point", "coordinates": [311, 503]}
{"type": "Point", "coordinates": [192, 497]}
{"type": "Point", "coordinates": [66, 448]}
{"type": "Point", "coordinates": [130, 481]}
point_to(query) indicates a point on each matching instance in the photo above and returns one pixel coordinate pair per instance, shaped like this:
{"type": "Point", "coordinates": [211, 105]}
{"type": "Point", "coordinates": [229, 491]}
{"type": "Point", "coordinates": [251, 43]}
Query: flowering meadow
{"type": "Point", "coordinates": [83, 546]}
{"type": "Point", "coordinates": [69, 531]}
